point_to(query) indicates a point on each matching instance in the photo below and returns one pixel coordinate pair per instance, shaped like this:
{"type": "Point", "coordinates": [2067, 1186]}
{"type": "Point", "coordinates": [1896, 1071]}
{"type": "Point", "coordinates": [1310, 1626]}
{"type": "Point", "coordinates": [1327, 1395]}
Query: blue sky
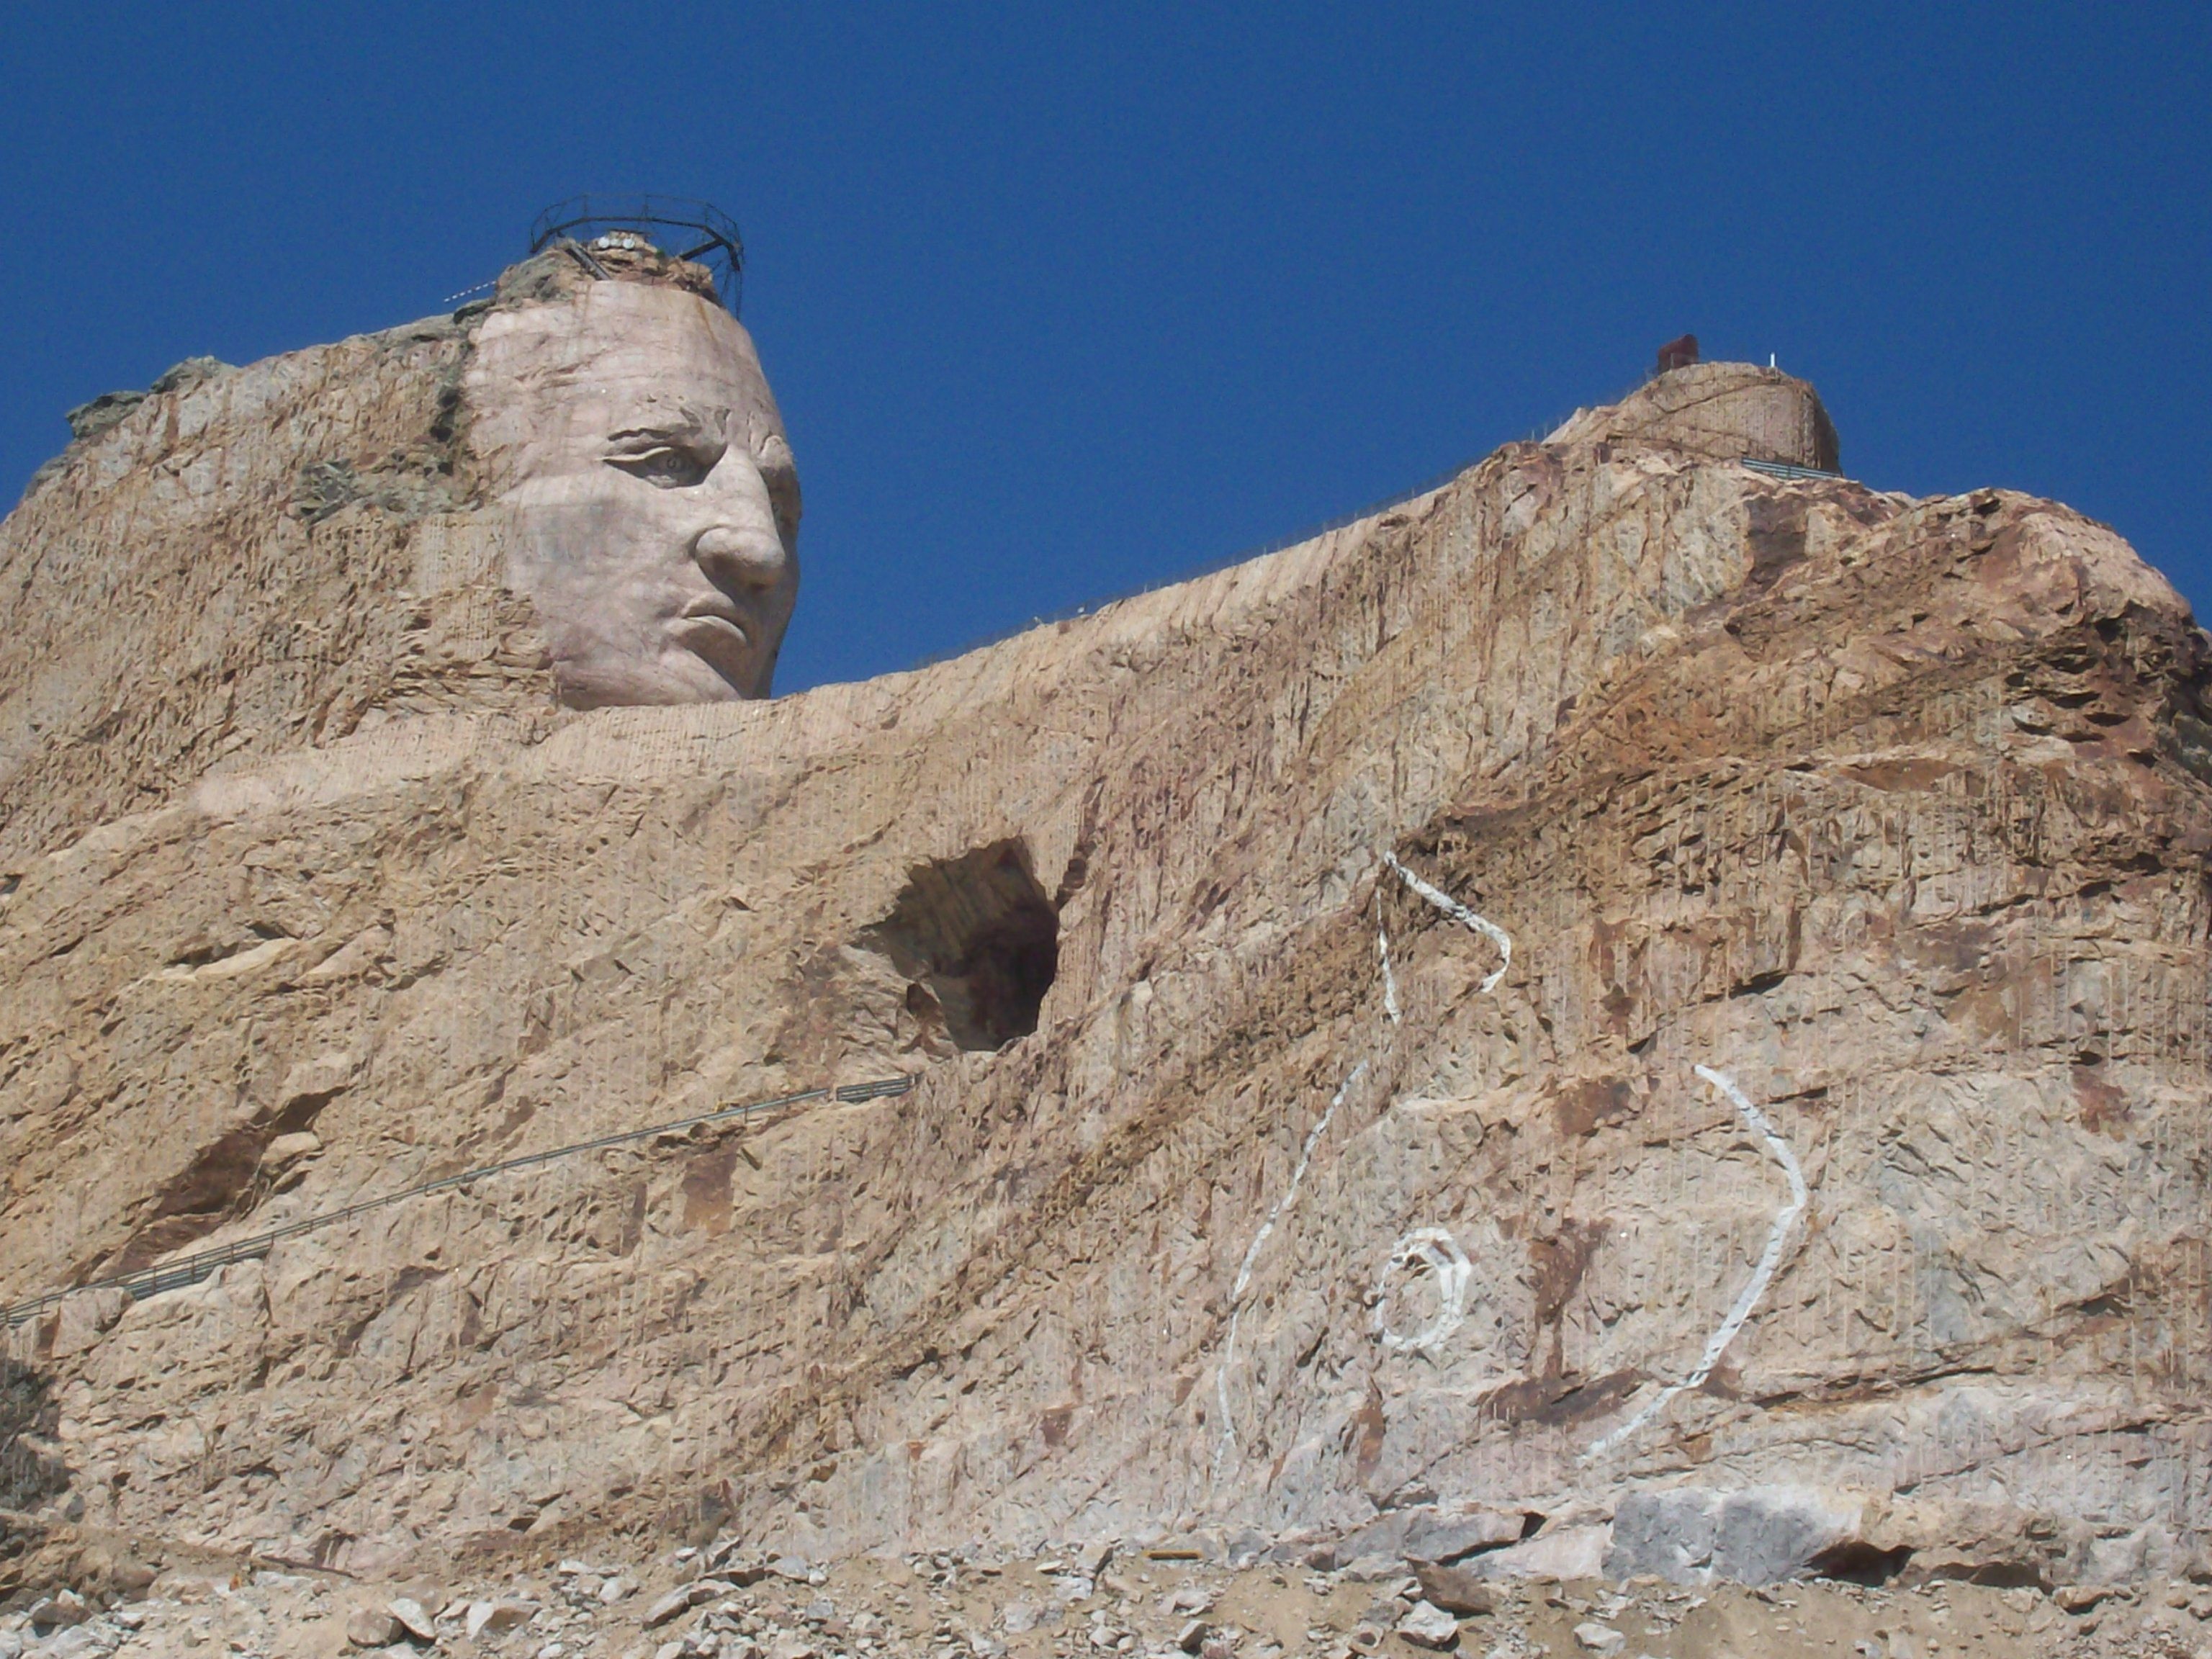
{"type": "Point", "coordinates": [1065, 301]}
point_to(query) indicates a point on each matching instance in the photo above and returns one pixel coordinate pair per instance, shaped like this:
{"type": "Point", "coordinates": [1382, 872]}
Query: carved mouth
{"type": "Point", "coordinates": [713, 628]}
{"type": "Point", "coordinates": [719, 606]}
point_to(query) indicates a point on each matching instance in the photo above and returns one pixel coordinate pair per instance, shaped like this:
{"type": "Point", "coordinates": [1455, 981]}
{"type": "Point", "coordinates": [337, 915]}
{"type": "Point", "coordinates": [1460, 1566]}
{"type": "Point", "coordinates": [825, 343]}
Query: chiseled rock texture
{"type": "Point", "coordinates": [243, 563]}
{"type": "Point", "coordinates": [1891, 814]}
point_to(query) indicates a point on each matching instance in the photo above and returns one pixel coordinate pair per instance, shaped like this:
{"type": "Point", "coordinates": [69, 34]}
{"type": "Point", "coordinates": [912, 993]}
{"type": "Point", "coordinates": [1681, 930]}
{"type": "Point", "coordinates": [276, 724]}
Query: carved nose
{"type": "Point", "coordinates": [740, 559]}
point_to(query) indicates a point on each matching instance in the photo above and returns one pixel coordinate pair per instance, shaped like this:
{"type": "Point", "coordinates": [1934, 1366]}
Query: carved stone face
{"type": "Point", "coordinates": [631, 433]}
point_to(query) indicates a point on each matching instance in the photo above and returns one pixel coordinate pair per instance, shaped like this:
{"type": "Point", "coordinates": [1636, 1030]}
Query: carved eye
{"type": "Point", "coordinates": [666, 466]}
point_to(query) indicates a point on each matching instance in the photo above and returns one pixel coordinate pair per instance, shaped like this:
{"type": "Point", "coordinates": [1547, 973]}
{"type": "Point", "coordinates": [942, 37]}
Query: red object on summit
{"type": "Point", "coordinates": [1678, 354]}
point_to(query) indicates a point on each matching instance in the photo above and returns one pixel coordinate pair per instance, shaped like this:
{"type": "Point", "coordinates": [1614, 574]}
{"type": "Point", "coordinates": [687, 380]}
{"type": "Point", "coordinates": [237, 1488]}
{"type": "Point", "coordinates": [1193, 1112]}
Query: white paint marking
{"type": "Point", "coordinates": [1459, 913]}
{"type": "Point", "coordinates": [1252, 1255]}
{"type": "Point", "coordinates": [1768, 1260]}
{"type": "Point", "coordinates": [1437, 1250]}
{"type": "Point", "coordinates": [1389, 980]}
{"type": "Point", "coordinates": [1431, 1245]}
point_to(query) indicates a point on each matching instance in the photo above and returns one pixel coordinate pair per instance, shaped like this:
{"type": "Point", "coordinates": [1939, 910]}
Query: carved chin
{"type": "Point", "coordinates": [680, 674]}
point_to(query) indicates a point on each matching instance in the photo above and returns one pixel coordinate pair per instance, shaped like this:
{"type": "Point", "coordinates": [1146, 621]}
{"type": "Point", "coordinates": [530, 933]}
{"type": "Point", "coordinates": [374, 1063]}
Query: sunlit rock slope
{"type": "Point", "coordinates": [1624, 988]}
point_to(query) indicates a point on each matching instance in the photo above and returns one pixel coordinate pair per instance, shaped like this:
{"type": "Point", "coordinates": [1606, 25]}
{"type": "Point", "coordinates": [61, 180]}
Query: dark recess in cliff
{"type": "Point", "coordinates": [980, 940]}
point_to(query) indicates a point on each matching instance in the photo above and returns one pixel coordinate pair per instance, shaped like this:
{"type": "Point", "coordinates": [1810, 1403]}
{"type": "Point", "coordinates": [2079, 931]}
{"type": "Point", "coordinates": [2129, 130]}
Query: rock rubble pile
{"type": "Point", "coordinates": [1080, 1604]}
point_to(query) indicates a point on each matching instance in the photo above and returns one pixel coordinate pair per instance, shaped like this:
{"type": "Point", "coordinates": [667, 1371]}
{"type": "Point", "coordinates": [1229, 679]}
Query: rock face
{"type": "Point", "coordinates": [628, 430]}
{"type": "Point", "coordinates": [1624, 985]}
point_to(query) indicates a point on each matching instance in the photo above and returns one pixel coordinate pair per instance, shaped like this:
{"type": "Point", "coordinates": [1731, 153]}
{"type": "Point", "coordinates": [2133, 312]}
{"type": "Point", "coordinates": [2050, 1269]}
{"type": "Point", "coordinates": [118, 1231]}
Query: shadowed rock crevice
{"type": "Point", "coordinates": [980, 940]}
{"type": "Point", "coordinates": [30, 1472]}
{"type": "Point", "coordinates": [231, 1174]}
{"type": "Point", "coordinates": [1857, 1562]}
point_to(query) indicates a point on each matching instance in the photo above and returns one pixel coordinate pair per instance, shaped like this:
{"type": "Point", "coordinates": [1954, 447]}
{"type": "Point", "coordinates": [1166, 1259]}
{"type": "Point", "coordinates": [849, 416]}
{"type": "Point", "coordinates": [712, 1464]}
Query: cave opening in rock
{"type": "Point", "coordinates": [979, 937]}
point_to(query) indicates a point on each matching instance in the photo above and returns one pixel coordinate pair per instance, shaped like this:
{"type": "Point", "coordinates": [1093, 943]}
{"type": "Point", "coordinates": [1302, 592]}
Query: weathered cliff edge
{"type": "Point", "coordinates": [1890, 815]}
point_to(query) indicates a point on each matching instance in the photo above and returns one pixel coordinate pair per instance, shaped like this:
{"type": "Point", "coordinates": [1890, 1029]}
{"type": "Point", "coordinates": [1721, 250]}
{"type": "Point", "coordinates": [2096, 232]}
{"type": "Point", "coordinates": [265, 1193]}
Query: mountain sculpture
{"type": "Point", "coordinates": [1648, 1005]}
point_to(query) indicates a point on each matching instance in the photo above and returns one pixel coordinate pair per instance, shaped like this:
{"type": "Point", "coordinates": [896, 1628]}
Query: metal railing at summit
{"type": "Point", "coordinates": [710, 236]}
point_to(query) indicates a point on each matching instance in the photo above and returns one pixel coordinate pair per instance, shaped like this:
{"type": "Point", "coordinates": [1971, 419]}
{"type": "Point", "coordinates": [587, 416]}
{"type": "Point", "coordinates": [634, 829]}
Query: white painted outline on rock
{"type": "Point", "coordinates": [1459, 913]}
{"type": "Point", "coordinates": [1440, 1251]}
{"type": "Point", "coordinates": [1389, 980]}
{"type": "Point", "coordinates": [1769, 1259]}
{"type": "Point", "coordinates": [1252, 1255]}
{"type": "Point", "coordinates": [1453, 1270]}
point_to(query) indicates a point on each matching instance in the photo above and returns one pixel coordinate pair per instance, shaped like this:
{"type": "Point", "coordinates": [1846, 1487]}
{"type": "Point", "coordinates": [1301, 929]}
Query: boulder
{"type": "Point", "coordinates": [418, 1620]}
{"type": "Point", "coordinates": [373, 1627]}
{"type": "Point", "coordinates": [1756, 1535]}
{"type": "Point", "coordinates": [1667, 1533]}
{"type": "Point", "coordinates": [494, 1618]}
{"type": "Point", "coordinates": [1769, 1534]}
{"type": "Point", "coordinates": [1383, 1536]}
{"type": "Point", "coordinates": [1443, 1538]}
{"type": "Point", "coordinates": [1374, 1567]}
{"type": "Point", "coordinates": [1564, 1553]}
{"type": "Point", "coordinates": [1456, 1589]}
{"type": "Point", "coordinates": [62, 1608]}
{"type": "Point", "coordinates": [1427, 1626]}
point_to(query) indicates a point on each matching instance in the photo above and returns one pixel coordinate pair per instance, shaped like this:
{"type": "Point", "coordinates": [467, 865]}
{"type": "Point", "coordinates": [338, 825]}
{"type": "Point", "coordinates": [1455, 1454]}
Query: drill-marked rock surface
{"type": "Point", "coordinates": [246, 563]}
{"type": "Point", "coordinates": [1623, 973]}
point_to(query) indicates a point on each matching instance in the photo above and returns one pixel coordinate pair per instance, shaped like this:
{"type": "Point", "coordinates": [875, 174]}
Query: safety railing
{"type": "Point", "coordinates": [1784, 470]}
{"type": "Point", "coordinates": [710, 236]}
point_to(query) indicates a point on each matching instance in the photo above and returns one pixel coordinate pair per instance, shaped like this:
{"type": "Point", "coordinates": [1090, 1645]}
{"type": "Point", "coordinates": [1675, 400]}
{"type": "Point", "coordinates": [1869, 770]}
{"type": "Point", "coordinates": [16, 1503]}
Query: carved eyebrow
{"type": "Point", "coordinates": [685, 425]}
{"type": "Point", "coordinates": [685, 432]}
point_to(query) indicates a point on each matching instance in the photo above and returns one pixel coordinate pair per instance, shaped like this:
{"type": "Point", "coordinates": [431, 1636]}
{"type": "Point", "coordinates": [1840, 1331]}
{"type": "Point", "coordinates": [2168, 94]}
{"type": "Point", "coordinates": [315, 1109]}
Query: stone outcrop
{"type": "Point", "coordinates": [1627, 993]}
{"type": "Point", "coordinates": [1730, 411]}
